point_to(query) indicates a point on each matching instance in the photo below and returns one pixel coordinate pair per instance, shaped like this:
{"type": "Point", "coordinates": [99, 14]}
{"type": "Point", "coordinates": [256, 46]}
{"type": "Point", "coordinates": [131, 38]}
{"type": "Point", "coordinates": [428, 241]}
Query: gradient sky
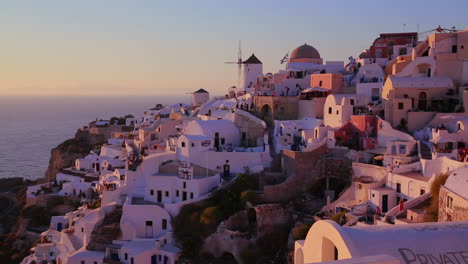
{"type": "Point", "coordinates": [104, 47]}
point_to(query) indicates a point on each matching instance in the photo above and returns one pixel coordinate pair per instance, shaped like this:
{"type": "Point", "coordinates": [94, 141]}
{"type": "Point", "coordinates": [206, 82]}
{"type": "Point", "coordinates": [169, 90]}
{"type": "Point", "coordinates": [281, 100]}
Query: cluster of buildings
{"type": "Point", "coordinates": [397, 112]}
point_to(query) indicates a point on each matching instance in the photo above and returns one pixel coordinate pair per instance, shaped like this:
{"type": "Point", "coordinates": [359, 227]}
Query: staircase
{"type": "Point", "coordinates": [76, 242]}
{"type": "Point", "coordinates": [104, 233]}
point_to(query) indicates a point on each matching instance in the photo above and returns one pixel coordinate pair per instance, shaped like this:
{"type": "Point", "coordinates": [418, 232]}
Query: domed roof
{"type": "Point", "coordinates": [305, 52]}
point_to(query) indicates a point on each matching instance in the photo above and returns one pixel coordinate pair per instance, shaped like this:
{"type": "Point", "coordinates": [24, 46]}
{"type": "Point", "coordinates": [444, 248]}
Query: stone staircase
{"type": "Point", "coordinates": [108, 230]}
{"type": "Point", "coordinates": [76, 242]}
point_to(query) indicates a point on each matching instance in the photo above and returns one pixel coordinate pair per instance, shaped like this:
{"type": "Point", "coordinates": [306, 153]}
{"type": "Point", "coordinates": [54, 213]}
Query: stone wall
{"type": "Point", "coordinates": [253, 130]}
{"type": "Point", "coordinates": [301, 170]}
{"type": "Point", "coordinates": [459, 210]}
{"type": "Point", "coordinates": [243, 230]}
{"type": "Point", "coordinates": [279, 108]}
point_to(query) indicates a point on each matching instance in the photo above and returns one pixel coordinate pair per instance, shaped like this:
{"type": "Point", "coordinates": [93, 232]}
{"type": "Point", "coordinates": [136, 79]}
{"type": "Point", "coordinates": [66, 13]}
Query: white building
{"type": "Point", "coordinates": [369, 81]}
{"type": "Point", "coordinates": [339, 108]}
{"type": "Point", "coordinates": [200, 97]}
{"type": "Point", "coordinates": [326, 241]}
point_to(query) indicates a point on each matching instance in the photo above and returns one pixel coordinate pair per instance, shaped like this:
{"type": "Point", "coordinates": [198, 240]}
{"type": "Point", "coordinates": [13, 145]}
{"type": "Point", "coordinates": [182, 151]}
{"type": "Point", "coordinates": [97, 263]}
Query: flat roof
{"type": "Point", "coordinates": [414, 175]}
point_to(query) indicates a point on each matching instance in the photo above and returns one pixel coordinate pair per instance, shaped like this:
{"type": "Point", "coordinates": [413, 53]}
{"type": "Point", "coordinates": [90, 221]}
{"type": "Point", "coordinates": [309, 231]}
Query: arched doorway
{"type": "Point", "coordinates": [422, 102]}
{"type": "Point", "coordinates": [267, 114]}
{"type": "Point", "coordinates": [329, 250]}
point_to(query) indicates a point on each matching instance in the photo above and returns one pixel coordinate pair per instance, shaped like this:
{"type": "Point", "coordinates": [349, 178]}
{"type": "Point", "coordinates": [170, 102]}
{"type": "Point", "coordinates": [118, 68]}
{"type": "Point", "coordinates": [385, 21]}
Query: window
{"type": "Point", "coordinates": [185, 185]}
{"type": "Point", "coordinates": [223, 141]}
{"type": "Point", "coordinates": [193, 145]}
{"type": "Point", "coordinates": [183, 144]}
{"type": "Point", "coordinates": [351, 101]}
{"type": "Point", "coordinates": [177, 193]}
{"type": "Point", "coordinates": [450, 146]}
{"type": "Point", "coordinates": [151, 192]}
{"type": "Point", "coordinates": [422, 191]}
{"type": "Point", "coordinates": [337, 112]}
{"type": "Point", "coordinates": [400, 106]}
{"type": "Point", "coordinates": [454, 49]}
{"type": "Point", "coordinates": [449, 202]}
{"type": "Point", "coordinates": [320, 83]}
{"type": "Point", "coordinates": [132, 261]}
{"type": "Point", "coordinates": [164, 224]}
{"type": "Point", "coordinates": [167, 194]}
{"type": "Point", "coordinates": [82, 262]}
{"type": "Point", "coordinates": [82, 230]}
{"type": "Point", "coordinates": [359, 186]}
{"type": "Point", "coordinates": [95, 262]}
{"type": "Point", "coordinates": [191, 195]}
{"type": "Point", "coordinates": [402, 149]}
{"type": "Point", "coordinates": [329, 110]}
{"type": "Point", "coordinates": [398, 187]}
{"type": "Point", "coordinates": [126, 256]}
{"type": "Point", "coordinates": [149, 223]}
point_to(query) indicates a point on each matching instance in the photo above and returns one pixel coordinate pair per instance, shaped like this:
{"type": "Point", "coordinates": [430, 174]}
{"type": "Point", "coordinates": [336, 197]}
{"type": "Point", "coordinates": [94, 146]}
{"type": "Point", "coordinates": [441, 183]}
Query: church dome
{"type": "Point", "coordinates": [305, 52]}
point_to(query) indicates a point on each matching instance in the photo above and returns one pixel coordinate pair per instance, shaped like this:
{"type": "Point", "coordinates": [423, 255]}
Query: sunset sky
{"type": "Point", "coordinates": [169, 47]}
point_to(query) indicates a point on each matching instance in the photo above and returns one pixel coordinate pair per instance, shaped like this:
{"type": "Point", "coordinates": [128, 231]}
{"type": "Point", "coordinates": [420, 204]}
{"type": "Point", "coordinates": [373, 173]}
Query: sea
{"type": "Point", "coordinates": [31, 126]}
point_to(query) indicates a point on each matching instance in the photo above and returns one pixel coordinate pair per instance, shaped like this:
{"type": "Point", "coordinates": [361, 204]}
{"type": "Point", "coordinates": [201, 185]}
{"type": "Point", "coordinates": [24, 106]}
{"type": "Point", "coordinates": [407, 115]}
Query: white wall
{"type": "Point", "coordinates": [174, 185]}
{"type": "Point", "coordinates": [134, 217]}
{"type": "Point", "coordinates": [250, 74]}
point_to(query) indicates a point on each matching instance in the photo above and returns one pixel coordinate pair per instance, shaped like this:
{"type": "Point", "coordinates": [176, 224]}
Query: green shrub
{"type": "Point", "coordinates": [53, 201]}
{"type": "Point", "coordinates": [300, 232]}
{"type": "Point", "coordinates": [197, 221]}
{"type": "Point", "coordinates": [250, 196]}
{"type": "Point", "coordinates": [38, 215]}
{"type": "Point", "coordinates": [340, 218]}
{"type": "Point", "coordinates": [251, 255]}
{"type": "Point", "coordinates": [432, 210]}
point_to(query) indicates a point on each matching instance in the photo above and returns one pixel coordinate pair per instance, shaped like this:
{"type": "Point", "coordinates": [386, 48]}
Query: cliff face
{"type": "Point", "coordinates": [65, 154]}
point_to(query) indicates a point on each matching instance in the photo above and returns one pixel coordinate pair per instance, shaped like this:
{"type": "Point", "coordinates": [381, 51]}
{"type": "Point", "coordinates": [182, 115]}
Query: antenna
{"type": "Point", "coordinates": [239, 63]}
{"type": "Point", "coordinates": [404, 27]}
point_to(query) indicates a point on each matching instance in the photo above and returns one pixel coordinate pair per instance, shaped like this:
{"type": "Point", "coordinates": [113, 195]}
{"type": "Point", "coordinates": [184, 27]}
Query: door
{"type": "Point", "coordinates": [149, 229]}
{"type": "Point", "coordinates": [184, 196]}
{"type": "Point", "coordinates": [153, 259]}
{"type": "Point", "coordinates": [226, 170]}
{"type": "Point", "coordinates": [159, 196]}
{"type": "Point", "coordinates": [216, 141]}
{"type": "Point", "coordinates": [393, 150]}
{"type": "Point", "coordinates": [384, 203]}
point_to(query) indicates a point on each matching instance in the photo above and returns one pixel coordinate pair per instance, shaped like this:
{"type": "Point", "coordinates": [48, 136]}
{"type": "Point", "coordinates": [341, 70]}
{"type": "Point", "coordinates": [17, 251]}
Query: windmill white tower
{"type": "Point", "coordinates": [253, 67]}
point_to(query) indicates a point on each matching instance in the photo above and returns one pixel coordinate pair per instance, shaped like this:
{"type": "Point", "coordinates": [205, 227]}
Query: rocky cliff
{"type": "Point", "coordinates": [65, 154]}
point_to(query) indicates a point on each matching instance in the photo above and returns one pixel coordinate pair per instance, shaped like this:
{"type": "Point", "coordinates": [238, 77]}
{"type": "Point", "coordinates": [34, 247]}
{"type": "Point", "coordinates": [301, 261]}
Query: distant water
{"type": "Point", "coordinates": [31, 126]}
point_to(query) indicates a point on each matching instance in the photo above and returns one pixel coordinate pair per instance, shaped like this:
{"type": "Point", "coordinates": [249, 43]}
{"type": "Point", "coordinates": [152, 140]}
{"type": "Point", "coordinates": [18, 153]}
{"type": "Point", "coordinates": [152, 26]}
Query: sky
{"type": "Point", "coordinates": [112, 47]}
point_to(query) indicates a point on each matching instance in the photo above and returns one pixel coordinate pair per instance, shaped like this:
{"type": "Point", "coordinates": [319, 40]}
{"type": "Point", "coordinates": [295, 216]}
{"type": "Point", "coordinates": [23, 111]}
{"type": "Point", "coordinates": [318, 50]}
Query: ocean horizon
{"type": "Point", "coordinates": [32, 125]}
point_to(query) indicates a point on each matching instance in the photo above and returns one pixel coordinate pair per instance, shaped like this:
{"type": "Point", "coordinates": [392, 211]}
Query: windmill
{"type": "Point", "coordinates": [239, 64]}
